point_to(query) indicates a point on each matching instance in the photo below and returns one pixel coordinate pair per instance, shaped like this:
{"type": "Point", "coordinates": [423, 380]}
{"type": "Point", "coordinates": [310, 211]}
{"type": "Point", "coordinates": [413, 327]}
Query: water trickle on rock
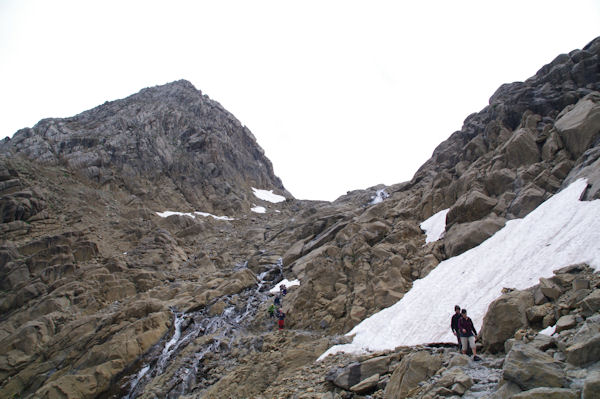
{"type": "Point", "coordinates": [176, 363]}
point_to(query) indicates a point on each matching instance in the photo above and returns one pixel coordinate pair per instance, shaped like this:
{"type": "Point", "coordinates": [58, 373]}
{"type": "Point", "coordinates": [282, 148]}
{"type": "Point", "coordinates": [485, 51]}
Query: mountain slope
{"type": "Point", "coordinates": [102, 297]}
{"type": "Point", "coordinates": [164, 140]}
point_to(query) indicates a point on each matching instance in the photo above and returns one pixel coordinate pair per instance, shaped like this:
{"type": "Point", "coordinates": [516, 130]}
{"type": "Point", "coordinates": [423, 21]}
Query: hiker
{"type": "Point", "coordinates": [281, 317]}
{"type": "Point", "coordinates": [271, 311]}
{"type": "Point", "coordinates": [467, 334]}
{"type": "Point", "coordinates": [277, 301]}
{"type": "Point", "coordinates": [283, 289]}
{"type": "Point", "coordinates": [454, 325]}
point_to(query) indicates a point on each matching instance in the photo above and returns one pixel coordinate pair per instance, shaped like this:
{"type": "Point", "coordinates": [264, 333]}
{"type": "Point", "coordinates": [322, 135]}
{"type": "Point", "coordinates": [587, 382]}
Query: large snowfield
{"type": "Point", "coordinates": [560, 232]}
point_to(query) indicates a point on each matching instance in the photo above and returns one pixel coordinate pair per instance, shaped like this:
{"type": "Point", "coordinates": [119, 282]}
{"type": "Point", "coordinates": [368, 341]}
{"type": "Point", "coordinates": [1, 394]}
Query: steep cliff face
{"type": "Point", "coordinates": [169, 145]}
{"type": "Point", "coordinates": [95, 285]}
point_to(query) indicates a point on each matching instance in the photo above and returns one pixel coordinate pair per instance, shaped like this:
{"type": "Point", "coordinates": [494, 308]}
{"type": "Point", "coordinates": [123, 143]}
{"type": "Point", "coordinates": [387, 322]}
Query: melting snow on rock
{"type": "Point", "coordinates": [560, 232]}
{"type": "Point", "coordinates": [548, 330]}
{"type": "Point", "coordinates": [268, 195]}
{"type": "Point", "coordinates": [435, 226]}
{"type": "Point", "coordinates": [286, 282]}
{"type": "Point", "coordinates": [192, 215]}
{"type": "Point", "coordinates": [258, 209]}
{"type": "Point", "coordinates": [380, 195]}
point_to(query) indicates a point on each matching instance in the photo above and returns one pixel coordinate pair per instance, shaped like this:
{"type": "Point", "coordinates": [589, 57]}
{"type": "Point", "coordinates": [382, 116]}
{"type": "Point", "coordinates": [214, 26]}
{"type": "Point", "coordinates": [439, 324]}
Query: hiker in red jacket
{"type": "Point", "coordinates": [280, 317]}
{"type": "Point", "coordinates": [467, 333]}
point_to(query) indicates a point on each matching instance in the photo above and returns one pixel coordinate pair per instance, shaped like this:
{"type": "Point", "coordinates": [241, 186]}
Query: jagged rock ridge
{"type": "Point", "coordinates": [162, 141]}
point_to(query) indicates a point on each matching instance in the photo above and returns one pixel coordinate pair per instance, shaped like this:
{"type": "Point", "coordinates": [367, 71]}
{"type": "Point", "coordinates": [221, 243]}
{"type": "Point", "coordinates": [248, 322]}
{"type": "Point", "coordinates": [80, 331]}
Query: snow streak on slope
{"type": "Point", "coordinates": [560, 232]}
{"type": "Point", "coordinates": [166, 214]}
{"type": "Point", "coordinates": [268, 195]}
{"type": "Point", "coordinates": [435, 226]}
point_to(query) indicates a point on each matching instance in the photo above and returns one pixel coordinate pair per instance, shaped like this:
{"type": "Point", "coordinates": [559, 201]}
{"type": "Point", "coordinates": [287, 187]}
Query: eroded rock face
{"type": "Point", "coordinates": [168, 144]}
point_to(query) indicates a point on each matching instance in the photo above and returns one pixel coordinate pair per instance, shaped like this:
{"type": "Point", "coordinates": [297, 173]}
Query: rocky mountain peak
{"type": "Point", "coordinates": [168, 145]}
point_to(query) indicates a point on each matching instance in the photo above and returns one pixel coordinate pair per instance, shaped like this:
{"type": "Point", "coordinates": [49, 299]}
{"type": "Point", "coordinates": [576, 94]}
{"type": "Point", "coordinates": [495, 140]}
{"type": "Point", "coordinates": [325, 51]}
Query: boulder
{"type": "Point", "coordinates": [294, 252]}
{"type": "Point", "coordinates": [543, 342]}
{"type": "Point", "coordinates": [344, 377]}
{"type": "Point", "coordinates": [552, 145]}
{"type": "Point", "coordinates": [526, 201]}
{"type": "Point", "coordinates": [584, 352]}
{"type": "Point", "coordinates": [376, 365]}
{"type": "Point", "coordinates": [414, 368]}
{"type": "Point", "coordinates": [591, 303]}
{"type": "Point", "coordinates": [521, 149]}
{"type": "Point", "coordinates": [536, 314]}
{"type": "Point", "coordinates": [464, 236]}
{"type": "Point", "coordinates": [504, 316]}
{"type": "Point", "coordinates": [550, 289]}
{"type": "Point", "coordinates": [499, 181]}
{"type": "Point", "coordinates": [548, 393]}
{"type": "Point", "coordinates": [366, 385]}
{"type": "Point", "coordinates": [591, 386]}
{"type": "Point", "coordinates": [581, 284]}
{"type": "Point", "coordinates": [530, 368]}
{"type": "Point", "coordinates": [456, 380]}
{"type": "Point", "coordinates": [506, 389]}
{"type": "Point", "coordinates": [579, 127]}
{"type": "Point", "coordinates": [471, 206]}
{"type": "Point", "coordinates": [566, 322]}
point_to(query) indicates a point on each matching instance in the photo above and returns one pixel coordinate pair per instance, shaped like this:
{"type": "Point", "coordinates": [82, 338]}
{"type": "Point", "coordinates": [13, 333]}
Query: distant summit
{"type": "Point", "coordinates": [166, 144]}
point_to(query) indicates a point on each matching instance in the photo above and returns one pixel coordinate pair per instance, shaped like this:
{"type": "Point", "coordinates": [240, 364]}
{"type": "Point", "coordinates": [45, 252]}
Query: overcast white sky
{"type": "Point", "coordinates": [340, 94]}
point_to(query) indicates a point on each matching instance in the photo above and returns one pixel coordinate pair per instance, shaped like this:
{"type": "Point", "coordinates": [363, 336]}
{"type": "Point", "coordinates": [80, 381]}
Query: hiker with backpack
{"type": "Point", "coordinates": [280, 317]}
{"type": "Point", "coordinates": [271, 311]}
{"type": "Point", "coordinates": [467, 334]}
{"type": "Point", "coordinates": [454, 325]}
{"type": "Point", "coordinates": [283, 289]}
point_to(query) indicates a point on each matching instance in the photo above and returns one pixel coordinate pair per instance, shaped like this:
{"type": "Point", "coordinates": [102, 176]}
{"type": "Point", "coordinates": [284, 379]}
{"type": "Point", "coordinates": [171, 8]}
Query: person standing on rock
{"type": "Point", "coordinates": [283, 289]}
{"type": "Point", "coordinates": [271, 311]}
{"type": "Point", "coordinates": [467, 333]}
{"type": "Point", "coordinates": [454, 325]}
{"type": "Point", "coordinates": [281, 318]}
{"type": "Point", "coordinates": [277, 301]}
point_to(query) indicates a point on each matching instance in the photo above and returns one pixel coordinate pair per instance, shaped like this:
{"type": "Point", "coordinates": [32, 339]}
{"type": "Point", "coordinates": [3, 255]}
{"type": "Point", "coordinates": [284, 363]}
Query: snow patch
{"type": "Point", "coordinates": [548, 330]}
{"type": "Point", "coordinates": [435, 226]}
{"type": "Point", "coordinates": [560, 232]}
{"type": "Point", "coordinates": [192, 215]}
{"type": "Point", "coordinates": [286, 282]}
{"type": "Point", "coordinates": [380, 195]}
{"type": "Point", "coordinates": [268, 195]}
{"type": "Point", "coordinates": [258, 209]}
